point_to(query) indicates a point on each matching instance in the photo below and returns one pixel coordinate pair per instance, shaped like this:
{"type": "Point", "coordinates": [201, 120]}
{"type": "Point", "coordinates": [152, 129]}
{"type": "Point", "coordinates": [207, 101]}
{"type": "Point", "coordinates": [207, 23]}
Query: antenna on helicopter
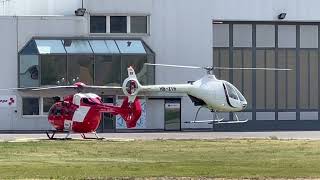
{"type": "Point", "coordinates": [210, 69]}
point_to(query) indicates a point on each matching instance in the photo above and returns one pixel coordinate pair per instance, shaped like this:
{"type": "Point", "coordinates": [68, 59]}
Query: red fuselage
{"type": "Point", "coordinates": [81, 113]}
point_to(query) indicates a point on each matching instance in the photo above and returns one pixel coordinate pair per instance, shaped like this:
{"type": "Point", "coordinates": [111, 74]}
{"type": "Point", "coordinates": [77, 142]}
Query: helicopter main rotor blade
{"type": "Point", "coordinates": [52, 87]}
{"type": "Point", "coordinates": [266, 69]}
{"type": "Point", "coordinates": [172, 65]}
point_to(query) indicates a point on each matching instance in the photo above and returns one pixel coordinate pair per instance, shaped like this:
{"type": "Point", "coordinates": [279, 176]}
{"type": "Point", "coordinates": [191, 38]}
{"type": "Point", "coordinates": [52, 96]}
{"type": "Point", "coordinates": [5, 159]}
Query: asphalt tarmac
{"type": "Point", "coordinates": [287, 135]}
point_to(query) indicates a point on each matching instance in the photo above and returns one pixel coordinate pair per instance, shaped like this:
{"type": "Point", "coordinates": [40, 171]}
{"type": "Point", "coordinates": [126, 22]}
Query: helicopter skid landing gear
{"type": "Point", "coordinates": [95, 134]}
{"type": "Point", "coordinates": [52, 133]}
{"type": "Point", "coordinates": [237, 121]}
{"type": "Point", "coordinates": [216, 119]}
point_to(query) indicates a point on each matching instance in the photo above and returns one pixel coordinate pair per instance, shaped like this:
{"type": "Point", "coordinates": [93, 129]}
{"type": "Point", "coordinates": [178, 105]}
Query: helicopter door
{"type": "Point", "coordinates": [231, 95]}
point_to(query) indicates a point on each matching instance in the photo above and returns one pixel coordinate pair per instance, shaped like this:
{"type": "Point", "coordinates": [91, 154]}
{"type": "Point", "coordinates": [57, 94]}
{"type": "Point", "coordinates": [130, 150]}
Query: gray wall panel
{"type": "Point", "coordinates": [287, 36]}
{"type": "Point", "coordinates": [308, 36]}
{"type": "Point", "coordinates": [220, 35]}
{"type": "Point", "coordinates": [265, 36]}
{"type": "Point", "coordinates": [155, 114]}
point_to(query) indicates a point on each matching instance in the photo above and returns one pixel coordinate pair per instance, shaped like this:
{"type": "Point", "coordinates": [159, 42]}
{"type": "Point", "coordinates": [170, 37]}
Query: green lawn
{"type": "Point", "coordinates": [187, 158]}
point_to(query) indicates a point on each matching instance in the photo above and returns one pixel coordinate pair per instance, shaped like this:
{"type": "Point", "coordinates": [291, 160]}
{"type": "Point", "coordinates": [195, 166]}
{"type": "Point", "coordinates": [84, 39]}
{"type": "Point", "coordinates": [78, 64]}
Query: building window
{"type": "Point", "coordinates": [118, 24]}
{"type": "Point", "coordinates": [47, 103]}
{"type": "Point", "coordinates": [29, 70]}
{"type": "Point", "coordinates": [139, 24]}
{"type": "Point", "coordinates": [94, 61]}
{"type": "Point", "coordinates": [52, 69]}
{"type": "Point", "coordinates": [107, 70]}
{"type": "Point", "coordinates": [30, 106]}
{"type": "Point", "coordinates": [80, 68]}
{"type": "Point", "coordinates": [98, 24]}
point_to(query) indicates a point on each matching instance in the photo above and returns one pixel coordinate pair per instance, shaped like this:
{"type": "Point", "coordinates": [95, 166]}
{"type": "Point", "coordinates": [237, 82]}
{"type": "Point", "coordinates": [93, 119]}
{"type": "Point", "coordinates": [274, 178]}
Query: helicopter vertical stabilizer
{"type": "Point", "coordinates": [131, 85]}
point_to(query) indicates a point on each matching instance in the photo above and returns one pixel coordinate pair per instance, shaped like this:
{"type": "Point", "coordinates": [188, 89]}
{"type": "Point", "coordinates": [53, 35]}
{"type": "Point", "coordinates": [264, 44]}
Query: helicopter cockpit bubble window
{"type": "Point", "coordinates": [241, 97]}
{"type": "Point", "coordinates": [231, 92]}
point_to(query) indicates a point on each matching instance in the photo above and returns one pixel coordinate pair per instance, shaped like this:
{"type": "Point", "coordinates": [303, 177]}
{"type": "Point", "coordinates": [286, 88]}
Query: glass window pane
{"type": "Point", "coordinates": [287, 36]}
{"type": "Point", "coordinates": [242, 35]}
{"type": "Point", "coordinates": [138, 24]}
{"type": "Point", "coordinates": [80, 68]}
{"type": "Point", "coordinates": [308, 36]}
{"type": "Point", "coordinates": [220, 35]}
{"type": "Point", "coordinates": [53, 70]}
{"type": "Point", "coordinates": [131, 46]}
{"type": "Point", "coordinates": [47, 103]}
{"type": "Point", "coordinates": [265, 36]}
{"type": "Point", "coordinates": [150, 70]}
{"type": "Point", "coordinates": [50, 46]}
{"type": "Point", "coordinates": [118, 24]}
{"type": "Point", "coordinates": [77, 46]}
{"type": "Point", "coordinates": [97, 24]}
{"type": "Point", "coordinates": [29, 71]}
{"type": "Point", "coordinates": [108, 70]}
{"type": "Point", "coordinates": [30, 48]}
{"type": "Point", "coordinates": [112, 47]}
{"type": "Point", "coordinates": [137, 63]}
{"type": "Point", "coordinates": [30, 106]}
{"type": "Point", "coordinates": [104, 46]}
{"type": "Point", "coordinates": [99, 46]}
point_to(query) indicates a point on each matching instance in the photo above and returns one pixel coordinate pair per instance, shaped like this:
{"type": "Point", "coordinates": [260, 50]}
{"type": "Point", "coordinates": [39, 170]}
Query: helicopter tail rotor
{"type": "Point", "coordinates": [131, 85]}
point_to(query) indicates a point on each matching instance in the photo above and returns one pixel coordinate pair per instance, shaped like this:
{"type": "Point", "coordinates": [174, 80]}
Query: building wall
{"type": "Point", "coordinates": [15, 33]}
{"type": "Point", "coordinates": [180, 33]}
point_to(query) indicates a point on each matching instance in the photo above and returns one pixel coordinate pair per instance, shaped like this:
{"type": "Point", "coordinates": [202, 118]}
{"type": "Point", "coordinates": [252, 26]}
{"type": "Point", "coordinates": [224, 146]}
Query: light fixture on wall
{"type": "Point", "coordinates": [80, 11]}
{"type": "Point", "coordinates": [282, 15]}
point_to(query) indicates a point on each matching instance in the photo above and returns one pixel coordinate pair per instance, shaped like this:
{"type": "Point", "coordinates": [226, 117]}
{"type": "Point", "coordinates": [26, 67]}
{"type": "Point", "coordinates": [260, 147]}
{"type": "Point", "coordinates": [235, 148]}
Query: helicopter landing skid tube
{"type": "Point", "coordinates": [51, 133]}
{"type": "Point", "coordinates": [96, 135]}
{"type": "Point", "coordinates": [216, 119]}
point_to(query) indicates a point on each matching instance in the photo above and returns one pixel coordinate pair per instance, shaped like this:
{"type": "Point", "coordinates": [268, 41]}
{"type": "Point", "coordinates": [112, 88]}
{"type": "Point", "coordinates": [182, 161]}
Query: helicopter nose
{"type": "Point", "coordinates": [244, 105]}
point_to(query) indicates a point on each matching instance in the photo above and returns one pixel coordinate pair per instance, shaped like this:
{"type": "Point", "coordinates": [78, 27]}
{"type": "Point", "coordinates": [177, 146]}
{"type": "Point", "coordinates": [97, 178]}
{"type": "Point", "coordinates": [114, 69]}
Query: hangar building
{"type": "Point", "coordinates": [47, 43]}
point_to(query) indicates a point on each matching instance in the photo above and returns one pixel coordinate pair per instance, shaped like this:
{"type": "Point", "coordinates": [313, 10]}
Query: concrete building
{"type": "Point", "coordinates": [45, 43]}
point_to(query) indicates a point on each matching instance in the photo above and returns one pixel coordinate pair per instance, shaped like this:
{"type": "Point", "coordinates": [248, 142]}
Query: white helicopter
{"type": "Point", "coordinates": [209, 92]}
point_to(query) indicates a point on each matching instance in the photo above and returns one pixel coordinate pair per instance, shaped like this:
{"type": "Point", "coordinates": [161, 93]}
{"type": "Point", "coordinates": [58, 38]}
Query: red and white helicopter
{"type": "Point", "coordinates": [81, 112]}
{"type": "Point", "coordinates": [209, 92]}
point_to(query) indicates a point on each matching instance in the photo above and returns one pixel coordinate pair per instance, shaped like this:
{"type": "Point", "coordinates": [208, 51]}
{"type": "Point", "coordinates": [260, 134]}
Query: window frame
{"type": "Point", "coordinates": [128, 24]}
{"type": "Point", "coordinates": [39, 109]}
{"type": "Point", "coordinates": [41, 106]}
{"type": "Point", "coordinates": [106, 26]}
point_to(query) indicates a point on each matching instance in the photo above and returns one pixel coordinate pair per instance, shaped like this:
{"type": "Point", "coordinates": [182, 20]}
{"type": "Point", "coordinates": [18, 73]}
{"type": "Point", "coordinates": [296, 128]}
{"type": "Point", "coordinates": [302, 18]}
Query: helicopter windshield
{"type": "Point", "coordinates": [240, 95]}
{"type": "Point", "coordinates": [230, 91]}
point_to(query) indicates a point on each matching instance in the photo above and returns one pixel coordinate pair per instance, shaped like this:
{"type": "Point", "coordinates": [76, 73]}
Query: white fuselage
{"type": "Point", "coordinates": [218, 95]}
